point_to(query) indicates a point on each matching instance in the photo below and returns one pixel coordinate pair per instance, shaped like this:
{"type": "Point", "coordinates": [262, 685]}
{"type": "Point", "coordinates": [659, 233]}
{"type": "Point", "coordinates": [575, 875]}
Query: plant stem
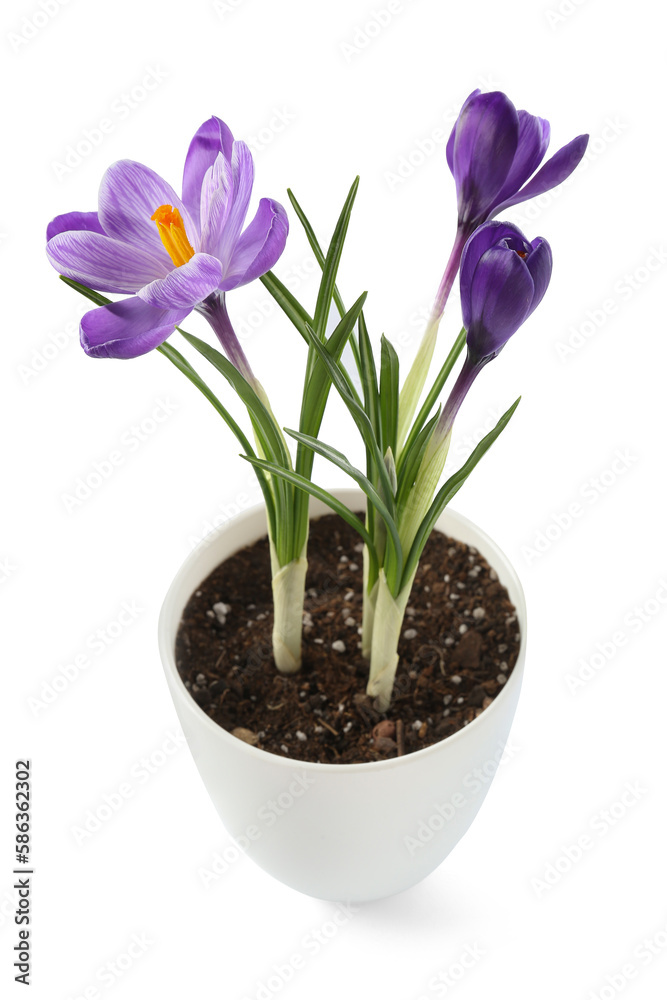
{"type": "Point", "coordinates": [368, 612]}
{"type": "Point", "coordinates": [389, 615]}
{"type": "Point", "coordinates": [288, 584]}
{"type": "Point", "coordinates": [214, 308]}
{"type": "Point", "coordinates": [416, 378]}
{"type": "Point", "coordinates": [421, 495]}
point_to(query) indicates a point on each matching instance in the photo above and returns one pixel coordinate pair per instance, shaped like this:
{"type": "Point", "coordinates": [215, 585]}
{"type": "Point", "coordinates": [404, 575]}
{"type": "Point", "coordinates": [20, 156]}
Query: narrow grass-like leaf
{"type": "Point", "coordinates": [316, 491]}
{"type": "Point", "coordinates": [287, 302]}
{"type": "Point", "coordinates": [317, 389]}
{"type": "Point", "coordinates": [270, 441]}
{"type": "Point", "coordinates": [88, 293]}
{"type": "Point", "coordinates": [341, 461]}
{"type": "Point", "coordinates": [315, 245]}
{"type": "Point", "coordinates": [269, 434]}
{"type": "Point", "coordinates": [186, 368]}
{"type": "Point", "coordinates": [371, 391]}
{"type": "Point", "coordinates": [361, 419]}
{"type": "Point", "coordinates": [369, 379]}
{"type": "Point", "coordinates": [330, 268]}
{"type": "Point", "coordinates": [320, 258]}
{"type": "Point", "coordinates": [412, 457]}
{"type": "Point", "coordinates": [451, 487]}
{"type": "Point", "coordinates": [388, 395]}
{"type": "Point", "coordinates": [315, 396]}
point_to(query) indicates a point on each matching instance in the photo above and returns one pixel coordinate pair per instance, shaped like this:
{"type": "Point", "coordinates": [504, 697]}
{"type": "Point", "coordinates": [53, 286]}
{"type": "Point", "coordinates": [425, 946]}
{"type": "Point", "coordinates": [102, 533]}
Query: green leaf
{"type": "Point", "coordinates": [316, 491]}
{"type": "Point", "coordinates": [369, 379]}
{"type": "Point", "coordinates": [317, 389]}
{"type": "Point", "coordinates": [361, 419]}
{"type": "Point", "coordinates": [315, 245]}
{"type": "Point", "coordinates": [270, 441]}
{"type": "Point", "coordinates": [330, 268]}
{"type": "Point", "coordinates": [451, 487]}
{"type": "Point", "coordinates": [287, 302]}
{"type": "Point", "coordinates": [269, 435]}
{"type": "Point", "coordinates": [388, 395]}
{"type": "Point", "coordinates": [411, 461]}
{"type": "Point", "coordinates": [340, 460]}
{"type": "Point", "coordinates": [315, 396]}
{"type": "Point", "coordinates": [186, 368]}
{"type": "Point", "coordinates": [390, 466]}
{"type": "Point", "coordinates": [320, 258]}
{"type": "Point", "coordinates": [89, 293]}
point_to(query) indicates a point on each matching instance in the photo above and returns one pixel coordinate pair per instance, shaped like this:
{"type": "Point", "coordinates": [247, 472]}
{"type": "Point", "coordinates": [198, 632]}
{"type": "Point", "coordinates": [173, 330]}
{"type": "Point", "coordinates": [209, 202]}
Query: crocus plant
{"type": "Point", "coordinates": [173, 256]}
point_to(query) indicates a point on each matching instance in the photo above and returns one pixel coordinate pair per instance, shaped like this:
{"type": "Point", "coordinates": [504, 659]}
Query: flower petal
{"type": "Point", "coordinates": [129, 195]}
{"type": "Point", "coordinates": [259, 247]}
{"type": "Point", "coordinates": [553, 173]}
{"type": "Point", "coordinates": [103, 263]}
{"type": "Point", "coordinates": [210, 139]}
{"type": "Point", "coordinates": [533, 141]}
{"type": "Point", "coordinates": [186, 285]}
{"type": "Point", "coordinates": [540, 263]}
{"type": "Point", "coordinates": [501, 293]}
{"type": "Point", "coordinates": [73, 221]}
{"type": "Point", "coordinates": [450, 142]}
{"type": "Point", "coordinates": [127, 329]}
{"type": "Point", "coordinates": [486, 140]}
{"type": "Point", "coordinates": [485, 236]}
{"type": "Point", "coordinates": [216, 201]}
{"type": "Point", "coordinates": [243, 173]}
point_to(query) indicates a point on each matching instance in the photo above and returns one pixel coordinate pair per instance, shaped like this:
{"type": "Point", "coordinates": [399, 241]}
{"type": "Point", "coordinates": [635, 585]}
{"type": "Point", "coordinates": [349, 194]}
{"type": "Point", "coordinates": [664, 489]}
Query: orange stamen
{"type": "Point", "coordinates": [172, 233]}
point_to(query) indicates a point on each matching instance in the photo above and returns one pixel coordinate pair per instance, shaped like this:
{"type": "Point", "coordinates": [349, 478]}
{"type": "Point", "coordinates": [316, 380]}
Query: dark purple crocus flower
{"type": "Point", "coordinates": [170, 254]}
{"type": "Point", "coordinates": [503, 280]}
{"type": "Point", "coordinates": [493, 152]}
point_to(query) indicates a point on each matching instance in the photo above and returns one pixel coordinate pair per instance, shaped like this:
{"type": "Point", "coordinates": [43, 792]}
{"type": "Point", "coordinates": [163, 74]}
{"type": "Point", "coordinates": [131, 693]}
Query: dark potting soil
{"type": "Point", "coordinates": [459, 644]}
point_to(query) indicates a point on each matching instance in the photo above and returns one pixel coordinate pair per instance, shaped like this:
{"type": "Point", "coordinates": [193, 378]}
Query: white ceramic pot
{"type": "Point", "coordinates": [344, 832]}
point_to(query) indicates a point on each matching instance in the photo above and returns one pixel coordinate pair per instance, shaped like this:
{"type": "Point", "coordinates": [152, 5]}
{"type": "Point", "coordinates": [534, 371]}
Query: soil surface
{"type": "Point", "coordinates": [458, 646]}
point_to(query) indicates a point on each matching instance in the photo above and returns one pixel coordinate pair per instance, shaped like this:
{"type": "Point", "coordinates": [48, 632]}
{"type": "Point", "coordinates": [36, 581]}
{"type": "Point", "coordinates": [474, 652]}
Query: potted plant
{"type": "Point", "coordinates": [335, 815]}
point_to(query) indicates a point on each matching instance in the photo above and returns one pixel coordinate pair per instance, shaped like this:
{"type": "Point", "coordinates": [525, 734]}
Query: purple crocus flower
{"type": "Point", "coordinates": [169, 254]}
{"type": "Point", "coordinates": [503, 280]}
{"type": "Point", "coordinates": [492, 152]}
{"type": "Point", "coordinates": [494, 149]}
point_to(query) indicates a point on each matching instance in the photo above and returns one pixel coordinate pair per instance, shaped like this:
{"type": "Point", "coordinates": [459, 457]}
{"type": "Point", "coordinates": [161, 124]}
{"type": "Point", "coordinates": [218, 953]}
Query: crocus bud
{"type": "Point", "coordinates": [503, 279]}
{"type": "Point", "coordinates": [492, 152]}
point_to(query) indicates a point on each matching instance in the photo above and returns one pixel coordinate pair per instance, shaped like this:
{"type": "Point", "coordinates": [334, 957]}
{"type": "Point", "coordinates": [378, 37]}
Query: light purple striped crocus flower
{"type": "Point", "coordinates": [169, 254]}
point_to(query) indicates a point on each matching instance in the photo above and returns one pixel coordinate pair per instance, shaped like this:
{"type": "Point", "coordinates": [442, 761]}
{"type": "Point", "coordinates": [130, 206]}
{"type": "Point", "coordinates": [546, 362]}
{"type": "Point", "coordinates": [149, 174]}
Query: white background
{"type": "Point", "coordinates": [326, 97]}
